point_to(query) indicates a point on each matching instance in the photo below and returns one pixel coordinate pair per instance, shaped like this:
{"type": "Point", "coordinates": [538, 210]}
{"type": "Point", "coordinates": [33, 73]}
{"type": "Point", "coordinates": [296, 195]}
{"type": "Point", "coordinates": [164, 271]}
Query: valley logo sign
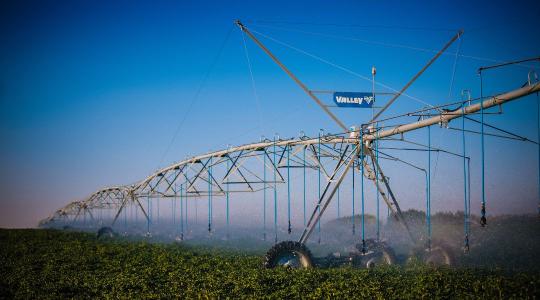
{"type": "Point", "coordinates": [354, 99]}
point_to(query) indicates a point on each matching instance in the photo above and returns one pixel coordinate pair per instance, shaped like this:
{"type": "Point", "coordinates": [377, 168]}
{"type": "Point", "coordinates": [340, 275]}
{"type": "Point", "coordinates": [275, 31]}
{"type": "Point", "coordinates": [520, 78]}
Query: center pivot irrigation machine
{"type": "Point", "coordinates": [265, 165]}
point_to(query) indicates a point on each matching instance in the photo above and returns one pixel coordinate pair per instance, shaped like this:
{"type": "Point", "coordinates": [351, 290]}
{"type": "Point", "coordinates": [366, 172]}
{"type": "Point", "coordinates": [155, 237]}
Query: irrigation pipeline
{"type": "Point", "coordinates": [443, 118]}
{"type": "Point", "coordinates": [446, 117]}
{"type": "Point", "coordinates": [141, 189]}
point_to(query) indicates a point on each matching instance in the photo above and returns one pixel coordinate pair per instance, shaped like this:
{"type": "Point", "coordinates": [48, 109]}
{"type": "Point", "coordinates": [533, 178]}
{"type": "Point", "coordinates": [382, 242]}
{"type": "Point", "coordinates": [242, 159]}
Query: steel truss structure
{"type": "Point", "coordinates": [241, 167]}
{"type": "Point", "coordinates": [266, 164]}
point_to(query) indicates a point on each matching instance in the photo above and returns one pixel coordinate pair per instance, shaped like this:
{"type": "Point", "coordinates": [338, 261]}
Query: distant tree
{"type": "Point", "coordinates": [413, 217]}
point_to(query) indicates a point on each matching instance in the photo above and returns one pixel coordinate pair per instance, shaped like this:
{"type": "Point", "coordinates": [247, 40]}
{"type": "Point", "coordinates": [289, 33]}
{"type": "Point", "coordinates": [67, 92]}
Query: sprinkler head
{"type": "Point", "coordinates": [289, 229]}
{"type": "Point", "coordinates": [363, 247]}
{"type": "Point", "coordinates": [483, 221]}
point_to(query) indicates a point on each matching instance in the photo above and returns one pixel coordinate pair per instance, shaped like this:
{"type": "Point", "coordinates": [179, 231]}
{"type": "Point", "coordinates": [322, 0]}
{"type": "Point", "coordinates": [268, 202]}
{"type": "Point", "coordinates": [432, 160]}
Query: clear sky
{"type": "Point", "coordinates": [92, 92]}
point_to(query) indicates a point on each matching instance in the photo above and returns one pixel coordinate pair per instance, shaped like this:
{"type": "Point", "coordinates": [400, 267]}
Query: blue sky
{"type": "Point", "coordinates": [92, 93]}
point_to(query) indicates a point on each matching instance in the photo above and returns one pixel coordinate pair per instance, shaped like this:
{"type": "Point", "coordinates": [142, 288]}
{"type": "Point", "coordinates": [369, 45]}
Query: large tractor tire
{"type": "Point", "coordinates": [105, 232]}
{"type": "Point", "coordinates": [381, 257]}
{"type": "Point", "coordinates": [288, 254]}
{"type": "Point", "coordinates": [377, 254]}
{"type": "Point", "coordinates": [439, 255]}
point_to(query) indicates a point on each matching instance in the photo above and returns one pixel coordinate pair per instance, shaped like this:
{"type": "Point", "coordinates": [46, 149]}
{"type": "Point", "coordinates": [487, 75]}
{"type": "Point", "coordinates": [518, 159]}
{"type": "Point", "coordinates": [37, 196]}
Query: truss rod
{"type": "Point", "coordinates": [315, 217]}
{"type": "Point", "coordinates": [454, 38]}
{"type": "Point", "coordinates": [282, 66]}
{"type": "Point", "coordinates": [394, 204]}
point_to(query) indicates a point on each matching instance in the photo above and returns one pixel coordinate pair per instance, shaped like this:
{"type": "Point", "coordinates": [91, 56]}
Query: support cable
{"type": "Point", "coordinates": [454, 67]}
{"type": "Point", "coordinates": [394, 45]}
{"type": "Point", "coordinates": [292, 76]}
{"type": "Point", "coordinates": [254, 87]}
{"type": "Point", "coordinates": [439, 108]}
{"type": "Point", "coordinates": [523, 139]}
{"type": "Point", "coordinates": [197, 93]}
{"type": "Point", "coordinates": [516, 136]}
{"type": "Point", "coordinates": [431, 149]}
{"type": "Point", "coordinates": [387, 27]}
{"type": "Point", "coordinates": [390, 157]}
{"type": "Point", "coordinates": [508, 63]}
{"type": "Point", "coordinates": [424, 68]}
{"type": "Point", "coordinates": [338, 66]}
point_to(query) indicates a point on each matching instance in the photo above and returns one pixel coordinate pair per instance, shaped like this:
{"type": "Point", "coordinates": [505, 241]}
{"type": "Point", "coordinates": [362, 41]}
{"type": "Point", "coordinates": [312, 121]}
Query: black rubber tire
{"type": "Point", "coordinates": [378, 253]}
{"type": "Point", "coordinates": [383, 255]}
{"type": "Point", "coordinates": [287, 248]}
{"type": "Point", "coordinates": [439, 255]}
{"type": "Point", "coordinates": [105, 232]}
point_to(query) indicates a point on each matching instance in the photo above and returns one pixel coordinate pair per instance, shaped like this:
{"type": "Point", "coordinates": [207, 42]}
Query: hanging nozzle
{"type": "Point", "coordinates": [363, 246]}
{"type": "Point", "coordinates": [289, 230]}
{"type": "Point", "coordinates": [483, 220]}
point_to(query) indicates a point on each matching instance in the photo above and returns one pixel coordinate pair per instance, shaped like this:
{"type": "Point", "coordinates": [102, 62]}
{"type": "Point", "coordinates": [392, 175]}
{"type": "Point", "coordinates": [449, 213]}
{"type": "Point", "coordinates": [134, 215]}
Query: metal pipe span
{"type": "Point", "coordinates": [448, 116]}
{"type": "Point", "coordinates": [442, 118]}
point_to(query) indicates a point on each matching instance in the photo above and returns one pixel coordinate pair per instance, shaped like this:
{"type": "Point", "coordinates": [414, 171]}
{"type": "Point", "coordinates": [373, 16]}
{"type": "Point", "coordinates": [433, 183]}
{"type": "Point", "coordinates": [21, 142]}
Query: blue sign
{"type": "Point", "coordinates": [353, 99]}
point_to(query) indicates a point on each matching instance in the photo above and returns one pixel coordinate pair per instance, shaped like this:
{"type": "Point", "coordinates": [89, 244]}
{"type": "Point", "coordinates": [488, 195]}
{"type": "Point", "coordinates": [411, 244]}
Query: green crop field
{"type": "Point", "coordinates": [55, 264]}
